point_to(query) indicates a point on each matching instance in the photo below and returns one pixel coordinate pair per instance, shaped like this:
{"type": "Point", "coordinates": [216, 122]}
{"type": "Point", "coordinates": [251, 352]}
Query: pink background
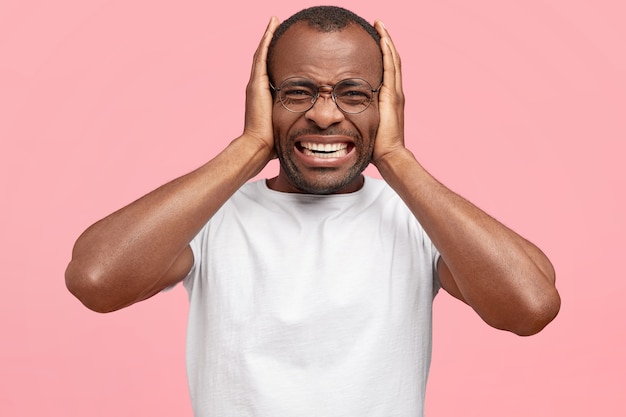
{"type": "Point", "coordinates": [519, 106]}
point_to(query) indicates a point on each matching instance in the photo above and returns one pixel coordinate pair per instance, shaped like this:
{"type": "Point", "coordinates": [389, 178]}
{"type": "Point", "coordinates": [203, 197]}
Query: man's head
{"type": "Point", "coordinates": [324, 149]}
{"type": "Point", "coordinates": [323, 19]}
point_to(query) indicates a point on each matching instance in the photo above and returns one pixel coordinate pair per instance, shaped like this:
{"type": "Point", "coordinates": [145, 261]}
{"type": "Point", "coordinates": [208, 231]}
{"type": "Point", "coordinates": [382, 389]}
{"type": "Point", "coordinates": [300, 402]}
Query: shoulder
{"type": "Point", "coordinates": [378, 190]}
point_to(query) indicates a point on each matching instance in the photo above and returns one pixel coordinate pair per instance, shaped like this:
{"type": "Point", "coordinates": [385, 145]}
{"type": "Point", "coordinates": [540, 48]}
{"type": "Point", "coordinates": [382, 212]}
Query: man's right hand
{"type": "Point", "coordinates": [259, 102]}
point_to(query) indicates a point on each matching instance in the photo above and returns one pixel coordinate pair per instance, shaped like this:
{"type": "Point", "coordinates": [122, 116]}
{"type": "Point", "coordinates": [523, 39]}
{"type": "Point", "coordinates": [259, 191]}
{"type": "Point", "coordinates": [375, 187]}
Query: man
{"type": "Point", "coordinates": [311, 292]}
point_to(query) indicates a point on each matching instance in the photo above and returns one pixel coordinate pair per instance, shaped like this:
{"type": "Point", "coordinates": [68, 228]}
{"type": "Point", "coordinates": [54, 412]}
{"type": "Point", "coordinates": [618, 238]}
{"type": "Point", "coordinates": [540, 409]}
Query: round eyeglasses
{"type": "Point", "coordinates": [298, 94]}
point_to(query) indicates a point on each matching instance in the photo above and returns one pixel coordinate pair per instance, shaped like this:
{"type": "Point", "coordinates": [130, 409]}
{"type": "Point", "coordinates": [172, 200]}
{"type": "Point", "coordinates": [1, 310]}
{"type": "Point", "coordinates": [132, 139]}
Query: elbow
{"type": "Point", "coordinates": [537, 315]}
{"type": "Point", "coordinates": [90, 287]}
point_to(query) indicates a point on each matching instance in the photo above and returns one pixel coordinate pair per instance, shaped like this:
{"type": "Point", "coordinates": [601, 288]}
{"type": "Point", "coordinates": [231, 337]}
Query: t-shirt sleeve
{"type": "Point", "coordinates": [435, 259]}
{"type": "Point", "coordinates": [196, 245]}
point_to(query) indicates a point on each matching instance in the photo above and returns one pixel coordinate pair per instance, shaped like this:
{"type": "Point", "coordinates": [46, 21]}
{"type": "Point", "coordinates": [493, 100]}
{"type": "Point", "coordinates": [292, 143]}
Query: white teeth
{"type": "Point", "coordinates": [324, 150]}
{"type": "Point", "coordinates": [336, 154]}
{"type": "Point", "coordinates": [321, 147]}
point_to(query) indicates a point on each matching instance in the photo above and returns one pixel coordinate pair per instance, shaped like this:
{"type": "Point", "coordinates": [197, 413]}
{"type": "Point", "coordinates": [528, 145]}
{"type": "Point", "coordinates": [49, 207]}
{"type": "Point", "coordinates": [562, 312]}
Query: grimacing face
{"type": "Point", "coordinates": [323, 150]}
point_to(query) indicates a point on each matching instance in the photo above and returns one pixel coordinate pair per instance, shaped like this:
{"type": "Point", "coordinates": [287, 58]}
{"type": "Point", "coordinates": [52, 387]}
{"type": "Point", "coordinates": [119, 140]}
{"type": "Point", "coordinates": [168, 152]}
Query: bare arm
{"type": "Point", "coordinates": [506, 279]}
{"type": "Point", "coordinates": [143, 248]}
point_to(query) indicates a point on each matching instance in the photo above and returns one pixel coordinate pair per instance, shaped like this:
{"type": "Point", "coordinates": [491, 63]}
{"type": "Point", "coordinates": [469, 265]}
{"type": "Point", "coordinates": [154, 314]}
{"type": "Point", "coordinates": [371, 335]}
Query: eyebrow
{"type": "Point", "coordinates": [351, 81]}
{"type": "Point", "coordinates": [302, 81]}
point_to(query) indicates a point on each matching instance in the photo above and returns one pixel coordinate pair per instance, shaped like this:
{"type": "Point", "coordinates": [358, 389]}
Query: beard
{"type": "Point", "coordinates": [325, 180]}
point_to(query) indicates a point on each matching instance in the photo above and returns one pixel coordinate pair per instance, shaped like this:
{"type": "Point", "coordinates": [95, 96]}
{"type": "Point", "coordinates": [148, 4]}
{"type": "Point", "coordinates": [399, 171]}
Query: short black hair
{"type": "Point", "coordinates": [324, 19]}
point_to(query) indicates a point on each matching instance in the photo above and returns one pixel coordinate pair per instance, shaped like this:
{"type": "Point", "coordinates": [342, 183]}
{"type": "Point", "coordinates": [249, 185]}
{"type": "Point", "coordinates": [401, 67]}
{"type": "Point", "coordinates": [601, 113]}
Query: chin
{"type": "Point", "coordinates": [325, 184]}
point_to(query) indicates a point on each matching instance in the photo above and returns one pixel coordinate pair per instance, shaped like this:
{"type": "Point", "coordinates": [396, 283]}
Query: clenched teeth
{"type": "Point", "coordinates": [324, 150]}
{"type": "Point", "coordinates": [323, 147]}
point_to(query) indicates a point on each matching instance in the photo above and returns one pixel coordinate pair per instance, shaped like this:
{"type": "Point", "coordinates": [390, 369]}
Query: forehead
{"type": "Point", "coordinates": [326, 57]}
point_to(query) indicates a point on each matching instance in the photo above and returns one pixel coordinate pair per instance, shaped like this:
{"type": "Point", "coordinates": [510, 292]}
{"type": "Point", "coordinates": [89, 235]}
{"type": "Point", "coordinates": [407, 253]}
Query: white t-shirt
{"type": "Point", "coordinates": [306, 305]}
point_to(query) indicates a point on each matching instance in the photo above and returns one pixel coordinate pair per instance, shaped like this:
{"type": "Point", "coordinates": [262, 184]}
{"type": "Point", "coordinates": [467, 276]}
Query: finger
{"type": "Point", "coordinates": [391, 58]}
{"type": "Point", "coordinates": [259, 66]}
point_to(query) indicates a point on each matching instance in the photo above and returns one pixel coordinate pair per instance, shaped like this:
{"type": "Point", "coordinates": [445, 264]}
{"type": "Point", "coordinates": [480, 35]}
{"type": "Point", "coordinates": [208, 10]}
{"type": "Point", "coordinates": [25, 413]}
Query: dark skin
{"type": "Point", "coordinates": [326, 59]}
{"type": "Point", "coordinates": [143, 248]}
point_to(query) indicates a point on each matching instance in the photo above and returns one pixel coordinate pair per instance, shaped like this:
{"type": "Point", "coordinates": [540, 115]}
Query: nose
{"type": "Point", "coordinates": [324, 112]}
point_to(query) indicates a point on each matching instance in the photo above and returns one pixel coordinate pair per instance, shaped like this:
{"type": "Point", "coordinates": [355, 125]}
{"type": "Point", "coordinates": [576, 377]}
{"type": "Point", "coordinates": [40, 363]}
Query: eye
{"type": "Point", "coordinates": [353, 91]}
{"type": "Point", "coordinates": [297, 92]}
{"type": "Point", "coordinates": [297, 89]}
{"type": "Point", "coordinates": [354, 96]}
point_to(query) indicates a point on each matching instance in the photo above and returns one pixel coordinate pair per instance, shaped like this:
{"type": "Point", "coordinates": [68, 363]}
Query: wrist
{"type": "Point", "coordinates": [253, 152]}
{"type": "Point", "coordinates": [393, 160]}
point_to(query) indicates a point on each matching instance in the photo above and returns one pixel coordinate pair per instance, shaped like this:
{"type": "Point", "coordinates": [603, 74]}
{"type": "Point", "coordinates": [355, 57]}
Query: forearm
{"type": "Point", "coordinates": [128, 255]}
{"type": "Point", "coordinates": [505, 278]}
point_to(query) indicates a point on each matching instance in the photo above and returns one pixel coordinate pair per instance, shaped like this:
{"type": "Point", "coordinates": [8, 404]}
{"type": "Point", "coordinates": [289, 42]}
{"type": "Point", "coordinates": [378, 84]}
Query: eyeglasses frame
{"type": "Point", "coordinates": [332, 93]}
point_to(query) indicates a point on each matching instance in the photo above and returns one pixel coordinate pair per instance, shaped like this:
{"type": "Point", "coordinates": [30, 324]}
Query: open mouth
{"type": "Point", "coordinates": [324, 150]}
